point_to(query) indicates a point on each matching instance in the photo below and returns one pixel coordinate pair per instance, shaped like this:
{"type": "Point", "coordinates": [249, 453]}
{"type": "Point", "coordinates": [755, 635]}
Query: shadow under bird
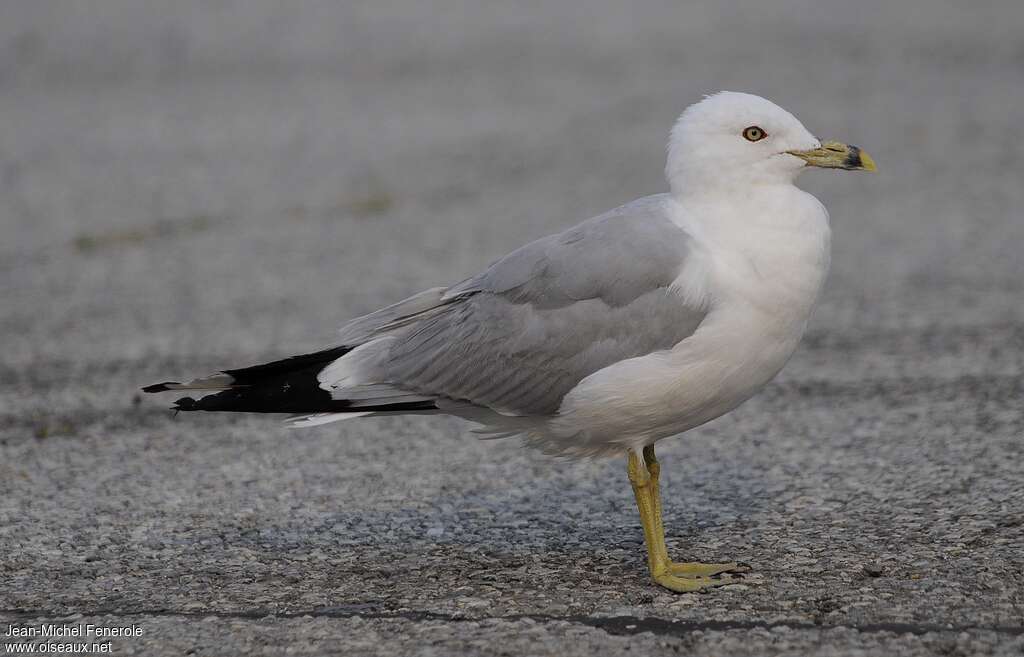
{"type": "Point", "coordinates": [635, 325]}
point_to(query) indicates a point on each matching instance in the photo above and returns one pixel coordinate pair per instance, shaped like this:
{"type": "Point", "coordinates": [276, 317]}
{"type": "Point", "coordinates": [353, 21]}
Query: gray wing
{"type": "Point", "coordinates": [517, 337]}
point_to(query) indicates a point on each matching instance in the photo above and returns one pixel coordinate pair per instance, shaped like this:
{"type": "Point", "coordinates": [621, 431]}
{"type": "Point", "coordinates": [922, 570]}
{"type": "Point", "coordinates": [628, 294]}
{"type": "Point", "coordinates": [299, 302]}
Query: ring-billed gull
{"type": "Point", "coordinates": [635, 325]}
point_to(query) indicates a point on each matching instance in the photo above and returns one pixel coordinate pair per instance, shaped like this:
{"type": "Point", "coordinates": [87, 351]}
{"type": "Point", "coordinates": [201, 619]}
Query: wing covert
{"type": "Point", "coordinates": [517, 337]}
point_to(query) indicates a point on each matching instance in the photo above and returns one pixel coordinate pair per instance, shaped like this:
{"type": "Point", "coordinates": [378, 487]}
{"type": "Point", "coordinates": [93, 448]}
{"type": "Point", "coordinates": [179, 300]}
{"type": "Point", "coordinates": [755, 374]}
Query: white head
{"type": "Point", "coordinates": [731, 139]}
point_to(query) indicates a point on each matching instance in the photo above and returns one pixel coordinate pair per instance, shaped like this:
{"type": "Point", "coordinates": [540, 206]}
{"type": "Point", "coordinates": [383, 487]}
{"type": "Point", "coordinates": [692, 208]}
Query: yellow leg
{"type": "Point", "coordinates": [680, 577]}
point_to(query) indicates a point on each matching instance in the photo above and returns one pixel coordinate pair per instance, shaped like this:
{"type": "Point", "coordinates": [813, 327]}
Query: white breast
{"type": "Point", "coordinates": [761, 274]}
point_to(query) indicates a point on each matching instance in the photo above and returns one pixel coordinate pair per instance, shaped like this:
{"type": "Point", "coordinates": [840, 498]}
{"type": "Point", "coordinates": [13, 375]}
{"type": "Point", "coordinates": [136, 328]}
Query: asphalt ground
{"type": "Point", "coordinates": [189, 186]}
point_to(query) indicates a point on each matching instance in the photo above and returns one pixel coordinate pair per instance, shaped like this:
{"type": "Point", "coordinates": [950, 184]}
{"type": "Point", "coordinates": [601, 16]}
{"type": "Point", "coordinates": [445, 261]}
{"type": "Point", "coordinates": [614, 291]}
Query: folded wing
{"type": "Point", "coordinates": [517, 337]}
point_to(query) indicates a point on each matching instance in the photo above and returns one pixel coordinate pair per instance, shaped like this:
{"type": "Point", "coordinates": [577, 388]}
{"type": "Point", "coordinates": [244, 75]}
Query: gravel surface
{"type": "Point", "coordinates": [189, 185]}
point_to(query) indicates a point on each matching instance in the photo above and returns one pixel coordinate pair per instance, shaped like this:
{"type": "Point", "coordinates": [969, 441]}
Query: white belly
{"type": "Point", "coordinates": [641, 400]}
{"type": "Point", "coordinates": [762, 287]}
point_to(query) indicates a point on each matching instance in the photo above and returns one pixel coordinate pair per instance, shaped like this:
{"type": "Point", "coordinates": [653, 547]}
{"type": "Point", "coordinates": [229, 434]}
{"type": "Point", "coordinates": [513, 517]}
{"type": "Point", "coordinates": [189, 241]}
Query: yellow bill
{"type": "Point", "coordinates": [837, 155]}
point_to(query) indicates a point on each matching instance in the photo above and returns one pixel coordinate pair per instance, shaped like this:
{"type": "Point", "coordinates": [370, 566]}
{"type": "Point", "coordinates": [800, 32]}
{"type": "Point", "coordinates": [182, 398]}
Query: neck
{"type": "Point", "coordinates": [687, 181]}
{"type": "Point", "coordinates": [776, 234]}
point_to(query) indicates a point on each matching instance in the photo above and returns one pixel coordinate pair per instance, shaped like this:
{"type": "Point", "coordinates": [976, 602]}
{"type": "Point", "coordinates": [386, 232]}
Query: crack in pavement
{"type": "Point", "coordinates": [616, 625]}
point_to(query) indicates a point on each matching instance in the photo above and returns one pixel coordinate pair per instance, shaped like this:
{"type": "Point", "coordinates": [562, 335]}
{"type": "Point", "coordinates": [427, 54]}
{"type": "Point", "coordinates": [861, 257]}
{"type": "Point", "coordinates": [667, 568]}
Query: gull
{"type": "Point", "coordinates": [633, 326]}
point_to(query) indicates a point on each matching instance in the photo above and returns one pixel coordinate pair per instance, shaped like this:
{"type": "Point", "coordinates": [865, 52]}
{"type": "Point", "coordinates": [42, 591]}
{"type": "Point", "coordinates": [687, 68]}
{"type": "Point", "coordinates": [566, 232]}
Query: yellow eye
{"type": "Point", "coordinates": [754, 133]}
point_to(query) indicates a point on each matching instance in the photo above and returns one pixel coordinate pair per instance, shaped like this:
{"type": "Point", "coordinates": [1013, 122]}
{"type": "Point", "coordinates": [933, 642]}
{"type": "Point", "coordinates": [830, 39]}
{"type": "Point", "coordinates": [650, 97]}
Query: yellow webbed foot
{"type": "Point", "coordinates": [694, 569]}
{"type": "Point", "coordinates": [680, 577]}
{"type": "Point", "coordinates": [692, 584]}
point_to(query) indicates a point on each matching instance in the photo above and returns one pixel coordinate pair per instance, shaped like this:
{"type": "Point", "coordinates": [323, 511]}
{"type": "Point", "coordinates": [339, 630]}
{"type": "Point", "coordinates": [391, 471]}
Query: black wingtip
{"type": "Point", "coordinates": [160, 387]}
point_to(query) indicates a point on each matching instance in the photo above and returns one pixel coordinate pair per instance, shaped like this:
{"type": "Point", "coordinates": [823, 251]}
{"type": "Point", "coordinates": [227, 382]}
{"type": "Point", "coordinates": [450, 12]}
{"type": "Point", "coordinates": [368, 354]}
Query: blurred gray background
{"type": "Point", "coordinates": [191, 185]}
